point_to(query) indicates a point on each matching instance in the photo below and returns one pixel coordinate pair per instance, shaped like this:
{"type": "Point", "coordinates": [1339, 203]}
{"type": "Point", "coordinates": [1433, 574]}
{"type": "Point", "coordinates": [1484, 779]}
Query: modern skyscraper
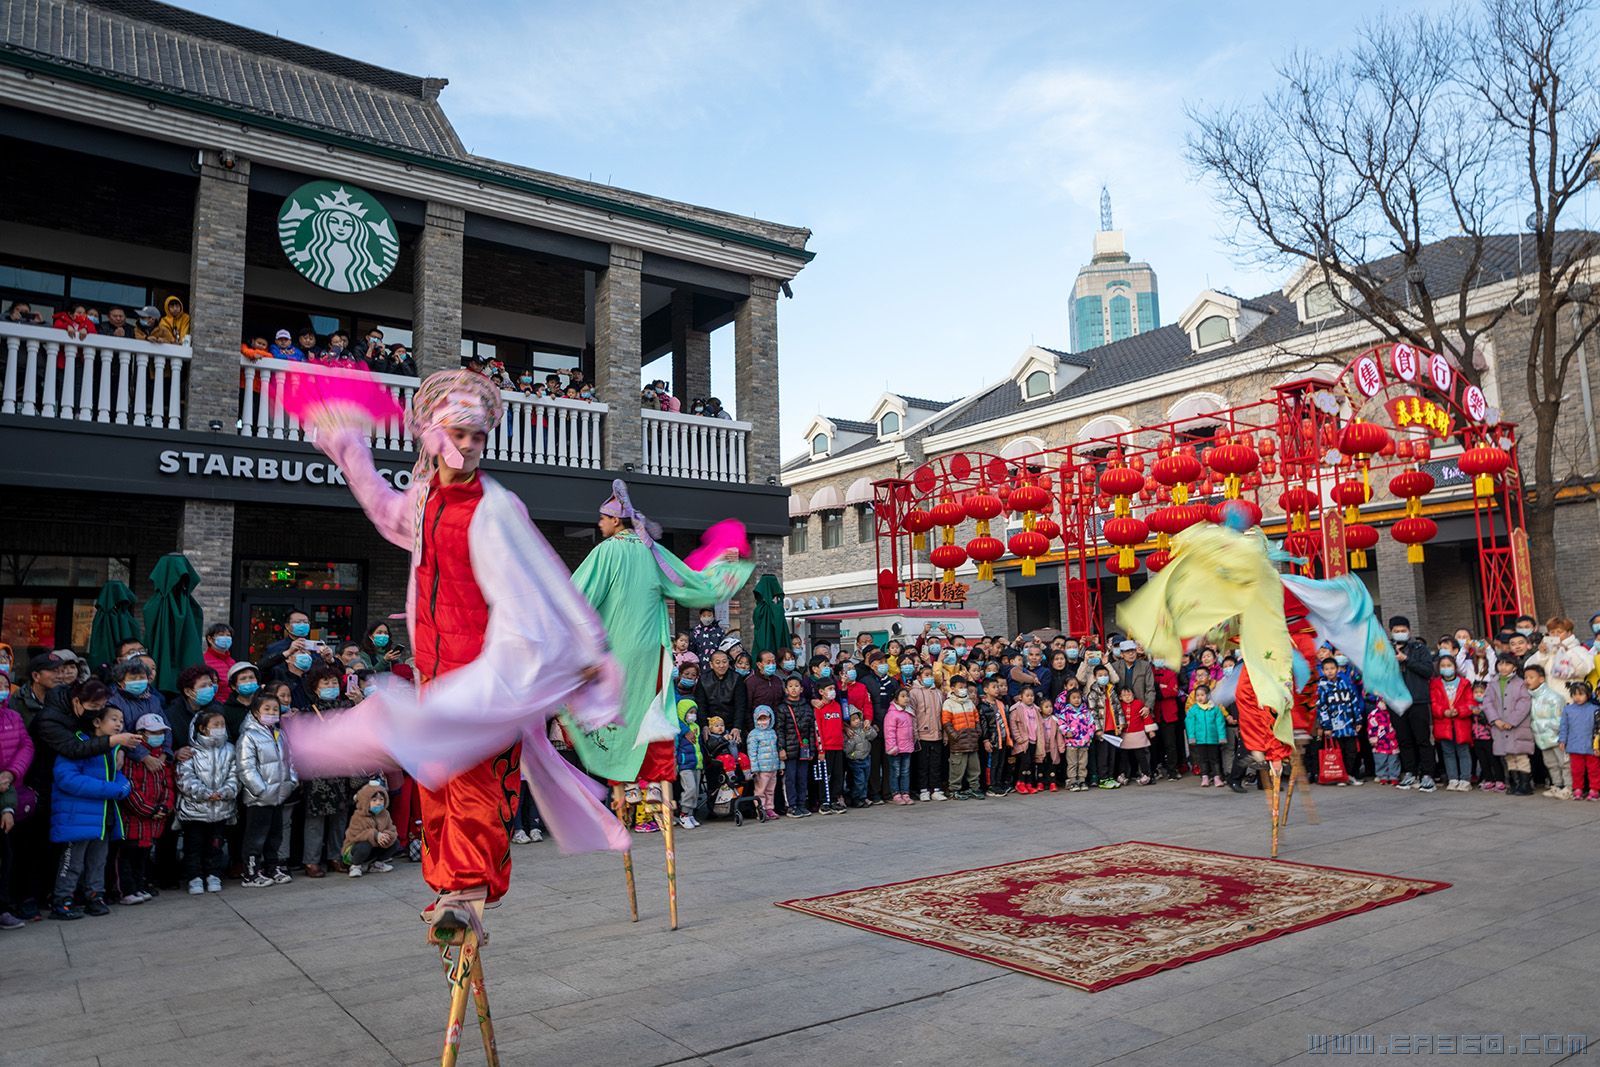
{"type": "Point", "coordinates": [1114, 297]}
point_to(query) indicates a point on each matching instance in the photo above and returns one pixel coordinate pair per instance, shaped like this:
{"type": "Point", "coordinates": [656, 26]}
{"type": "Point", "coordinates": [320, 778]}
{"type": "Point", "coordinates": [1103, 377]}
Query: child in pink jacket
{"type": "Point", "coordinates": [899, 742]}
{"type": "Point", "coordinates": [1025, 731]}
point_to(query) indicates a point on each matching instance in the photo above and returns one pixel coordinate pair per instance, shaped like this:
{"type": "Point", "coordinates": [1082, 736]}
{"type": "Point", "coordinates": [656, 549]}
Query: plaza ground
{"type": "Point", "coordinates": [337, 971]}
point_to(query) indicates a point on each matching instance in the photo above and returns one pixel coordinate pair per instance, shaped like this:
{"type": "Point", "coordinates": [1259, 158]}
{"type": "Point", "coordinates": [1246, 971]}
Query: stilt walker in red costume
{"type": "Point", "coordinates": [502, 642]}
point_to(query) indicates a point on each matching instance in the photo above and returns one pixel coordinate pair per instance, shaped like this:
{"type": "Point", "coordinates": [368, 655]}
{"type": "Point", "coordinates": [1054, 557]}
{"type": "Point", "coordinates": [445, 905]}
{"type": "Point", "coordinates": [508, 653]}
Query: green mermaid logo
{"type": "Point", "coordinates": [339, 236]}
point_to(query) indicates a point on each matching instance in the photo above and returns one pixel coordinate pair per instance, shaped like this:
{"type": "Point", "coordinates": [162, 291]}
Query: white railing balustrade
{"type": "Point", "coordinates": [98, 378]}
{"type": "Point", "coordinates": [564, 433]}
{"type": "Point", "coordinates": [693, 446]}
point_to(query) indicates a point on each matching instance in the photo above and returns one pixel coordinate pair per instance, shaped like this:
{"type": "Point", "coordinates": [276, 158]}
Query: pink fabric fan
{"type": "Point", "coordinates": [348, 397]}
{"type": "Point", "coordinates": [729, 533]}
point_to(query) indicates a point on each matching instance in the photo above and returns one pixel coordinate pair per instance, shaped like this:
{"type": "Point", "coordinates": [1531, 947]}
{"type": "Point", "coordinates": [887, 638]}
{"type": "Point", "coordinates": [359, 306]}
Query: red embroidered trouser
{"type": "Point", "coordinates": [466, 826]}
{"type": "Point", "coordinates": [1255, 720]}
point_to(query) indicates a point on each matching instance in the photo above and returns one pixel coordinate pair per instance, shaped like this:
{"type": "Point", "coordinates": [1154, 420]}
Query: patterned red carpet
{"type": "Point", "coordinates": [1107, 915]}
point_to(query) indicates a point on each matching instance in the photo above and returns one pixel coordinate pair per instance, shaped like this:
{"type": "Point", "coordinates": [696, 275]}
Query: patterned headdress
{"type": "Point", "coordinates": [620, 506]}
{"type": "Point", "coordinates": [448, 399]}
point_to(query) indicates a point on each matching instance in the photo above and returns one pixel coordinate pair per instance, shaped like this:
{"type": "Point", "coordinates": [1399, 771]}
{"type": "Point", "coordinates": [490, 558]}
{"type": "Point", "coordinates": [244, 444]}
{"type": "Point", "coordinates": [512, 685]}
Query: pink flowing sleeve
{"type": "Point", "coordinates": [387, 507]}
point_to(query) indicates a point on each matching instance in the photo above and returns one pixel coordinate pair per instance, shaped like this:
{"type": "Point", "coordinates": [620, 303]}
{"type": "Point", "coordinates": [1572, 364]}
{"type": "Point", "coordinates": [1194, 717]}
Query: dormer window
{"type": "Point", "coordinates": [819, 444]}
{"type": "Point", "coordinates": [1214, 330]}
{"type": "Point", "coordinates": [1036, 385]}
{"type": "Point", "coordinates": [1320, 302]}
{"type": "Point", "coordinates": [889, 424]}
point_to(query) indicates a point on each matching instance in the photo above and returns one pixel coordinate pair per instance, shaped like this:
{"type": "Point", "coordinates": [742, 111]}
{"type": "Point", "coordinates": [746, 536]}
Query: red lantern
{"type": "Point", "coordinates": [982, 507]}
{"type": "Point", "coordinates": [1047, 527]}
{"type": "Point", "coordinates": [1148, 491]}
{"type": "Point", "coordinates": [1412, 485]}
{"type": "Point", "coordinates": [1125, 533]}
{"type": "Point", "coordinates": [917, 523]}
{"type": "Point", "coordinates": [1297, 503]}
{"type": "Point", "coordinates": [1483, 462]}
{"type": "Point", "coordinates": [1268, 446]}
{"type": "Point", "coordinates": [1028, 497]}
{"type": "Point", "coordinates": [1177, 471]}
{"type": "Point", "coordinates": [1249, 509]}
{"type": "Point", "coordinates": [984, 550]}
{"type": "Point", "coordinates": [1189, 514]}
{"type": "Point", "coordinates": [1412, 532]}
{"type": "Point", "coordinates": [1422, 450]}
{"type": "Point", "coordinates": [1363, 439]}
{"type": "Point", "coordinates": [1030, 545]}
{"type": "Point", "coordinates": [947, 558]}
{"type": "Point", "coordinates": [1403, 449]}
{"type": "Point", "coordinates": [948, 513]}
{"type": "Point", "coordinates": [1157, 559]}
{"type": "Point", "coordinates": [1233, 461]}
{"type": "Point", "coordinates": [1358, 537]}
{"type": "Point", "coordinates": [1115, 565]}
{"type": "Point", "coordinates": [1121, 481]}
{"type": "Point", "coordinates": [1165, 522]}
{"type": "Point", "coordinates": [1350, 495]}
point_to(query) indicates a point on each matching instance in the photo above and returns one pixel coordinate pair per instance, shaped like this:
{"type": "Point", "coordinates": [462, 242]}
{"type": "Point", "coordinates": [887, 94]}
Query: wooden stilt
{"type": "Point", "coordinates": [1288, 793]}
{"type": "Point", "coordinates": [459, 949]}
{"type": "Point", "coordinates": [619, 804]}
{"type": "Point", "coordinates": [667, 827]}
{"type": "Point", "coordinates": [1274, 783]}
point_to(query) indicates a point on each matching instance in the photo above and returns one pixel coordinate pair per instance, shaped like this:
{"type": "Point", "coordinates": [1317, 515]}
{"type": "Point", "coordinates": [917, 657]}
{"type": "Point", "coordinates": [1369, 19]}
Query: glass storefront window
{"type": "Point", "coordinates": [72, 572]}
{"type": "Point", "coordinates": [29, 623]}
{"type": "Point", "coordinates": [300, 576]}
{"type": "Point", "coordinates": [32, 281]}
{"type": "Point", "coordinates": [116, 294]}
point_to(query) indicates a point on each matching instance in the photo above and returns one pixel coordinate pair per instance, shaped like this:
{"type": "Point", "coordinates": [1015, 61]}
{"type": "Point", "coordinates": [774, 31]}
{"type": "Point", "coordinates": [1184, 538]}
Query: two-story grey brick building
{"type": "Point", "coordinates": [151, 152]}
{"type": "Point", "coordinates": [1223, 351]}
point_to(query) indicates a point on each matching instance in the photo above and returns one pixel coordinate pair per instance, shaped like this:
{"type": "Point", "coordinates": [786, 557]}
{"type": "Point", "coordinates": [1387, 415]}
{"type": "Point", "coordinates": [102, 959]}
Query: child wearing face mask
{"type": "Point", "coordinates": [371, 839]}
{"type": "Point", "coordinates": [152, 794]}
{"type": "Point", "coordinates": [764, 762]}
{"type": "Point", "coordinates": [899, 743]}
{"type": "Point", "coordinates": [1489, 768]}
{"type": "Point", "coordinates": [797, 747]}
{"type": "Point", "coordinates": [707, 636]}
{"type": "Point", "coordinates": [1137, 726]}
{"type": "Point", "coordinates": [691, 763]}
{"type": "Point", "coordinates": [1023, 720]}
{"type": "Point", "coordinates": [208, 784]}
{"type": "Point", "coordinates": [831, 714]}
{"type": "Point", "coordinates": [266, 779]}
{"type": "Point", "coordinates": [1077, 724]}
{"type": "Point", "coordinates": [1385, 745]}
{"type": "Point", "coordinates": [927, 707]}
{"type": "Point", "coordinates": [1451, 696]}
{"type": "Point", "coordinates": [1579, 738]}
{"type": "Point", "coordinates": [84, 806]}
{"type": "Point", "coordinates": [963, 736]}
{"type": "Point", "coordinates": [327, 800]}
{"type": "Point", "coordinates": [1100, 696]}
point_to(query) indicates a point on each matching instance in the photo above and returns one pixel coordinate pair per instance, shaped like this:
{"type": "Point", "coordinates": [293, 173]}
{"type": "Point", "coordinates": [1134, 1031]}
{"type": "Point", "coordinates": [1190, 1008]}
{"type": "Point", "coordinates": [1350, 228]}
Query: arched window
{"type": "Point", "coordinates": [1320, 301]}
{"type": "Point", "coordinates": [889, 424]}
{"type": "Point", "coordinates": [819, 445]}
{"type": "Point", "coordinates": [1036, 384]}
{"type": "Point", "coordinates": [1213, 330]}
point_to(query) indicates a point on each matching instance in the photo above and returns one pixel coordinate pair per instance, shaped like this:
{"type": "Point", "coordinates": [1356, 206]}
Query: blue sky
{"type": "Point", "coordinates": [948, 157]}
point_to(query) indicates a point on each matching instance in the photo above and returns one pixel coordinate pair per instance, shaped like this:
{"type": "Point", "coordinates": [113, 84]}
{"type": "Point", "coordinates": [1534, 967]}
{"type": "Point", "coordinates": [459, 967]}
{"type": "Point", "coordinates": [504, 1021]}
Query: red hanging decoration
{"type": "Point", "coordinates": [947, 558]}
{"type": "Point", "coordinates": [1350, 495]}
{"type": "Point", "coordinates": [1030, 545]}
{"type": "Point", "coordinates": [1297, 503]}
{"type": "Point", "coordinates": [1412, 486]}
{"type": "Point", "coordinates": [1233, 461]}
{"type": "Point", "coordinates": [1048, 527]}
{"type": "Point", "coordinates": [1483, 462]}
{"type": "Point", "coordinates": [1114, 565]}
{"type": "Point", "coordinates": [917, 523]}
{"type": "Point", "coordinates": [1125, 532]}
{"type": "Point", "coordinates": [982, 507]}
{"type": "Point", "coordinates": [1412, 532]}
{"type": "Point", "coordinates": [1157, 559]}
{"type": "Point", "coordinates": [1358, 537]}
{"type": "Point", "coordinates": [984, 550]}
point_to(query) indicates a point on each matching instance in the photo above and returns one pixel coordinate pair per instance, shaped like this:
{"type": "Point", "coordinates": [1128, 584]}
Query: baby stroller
{"type": "Point", "coordinates": [734, 794]}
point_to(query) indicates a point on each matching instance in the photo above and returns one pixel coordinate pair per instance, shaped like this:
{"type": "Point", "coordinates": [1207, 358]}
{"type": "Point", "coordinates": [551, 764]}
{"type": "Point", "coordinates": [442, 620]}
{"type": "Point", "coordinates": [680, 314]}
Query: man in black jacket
{"type": "Point", "coordinates": [881, 689]}
{"type": "Point", "coordinates": [1414, 726]}
{"type": "Point", "coordinates": [721, 692]}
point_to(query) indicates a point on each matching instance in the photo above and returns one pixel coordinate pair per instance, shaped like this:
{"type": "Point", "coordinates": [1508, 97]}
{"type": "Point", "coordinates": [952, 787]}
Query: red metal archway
{"type": "Point", "coordinates": [1315, 460]}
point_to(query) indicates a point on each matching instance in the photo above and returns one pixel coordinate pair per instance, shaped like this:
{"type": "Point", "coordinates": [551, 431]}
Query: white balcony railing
{"type": "Point", "coordinates": [564, 433]}
{"type": "Point", "coordinates": [97, 379]}
{"type": "Point", "coordinates": [692, 446]}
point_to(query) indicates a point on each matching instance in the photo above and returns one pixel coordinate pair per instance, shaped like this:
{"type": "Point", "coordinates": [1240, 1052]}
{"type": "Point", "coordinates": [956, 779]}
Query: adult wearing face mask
{"type": "Point", "coordinates": [706, 637]}
{"type": "Point", "coordinates": [219, 654]}
{"type": "Point", "coordinates": [881, 687]}
{"type": "Point", "coordinates": [297, 630]}
{"type": "Point", "coordinates": [1095, 659]}
{"type": "Point", "coordinates": [244, 682]}
{"type": "Point", "coordinates": [292, 671]}
{"type": "Point", "coordinates": [1414, 726]}
{"type": "Point", "coordinates": [819, 672]}
{"type": "Point", "coordinates": [1137, 673]}
{"type": "Point", "coordinates": [764, 686]}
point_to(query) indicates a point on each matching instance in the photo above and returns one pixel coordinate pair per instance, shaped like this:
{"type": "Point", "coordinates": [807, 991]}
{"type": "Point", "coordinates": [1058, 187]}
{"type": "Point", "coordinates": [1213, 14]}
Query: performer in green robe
{"type": "Point", "coordinates": [629, 578]}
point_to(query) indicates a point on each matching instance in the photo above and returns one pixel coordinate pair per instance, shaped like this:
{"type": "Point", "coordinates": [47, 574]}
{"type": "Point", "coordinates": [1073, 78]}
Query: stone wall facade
{"type": "Point", "coordinates": [216, 293]}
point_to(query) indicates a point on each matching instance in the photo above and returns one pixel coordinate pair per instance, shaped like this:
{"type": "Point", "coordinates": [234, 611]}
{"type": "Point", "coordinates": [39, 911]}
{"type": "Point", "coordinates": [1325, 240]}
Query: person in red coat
{"type": "Point", "coordinates": [1453, 708]}
{"type": "Point", "coordinates": [145, 811]}
{"type": "Point", "coordinates": [1169, 720]}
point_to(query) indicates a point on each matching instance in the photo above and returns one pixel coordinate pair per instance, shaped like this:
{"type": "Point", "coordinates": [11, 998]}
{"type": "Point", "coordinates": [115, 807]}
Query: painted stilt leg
{"type": "Point", "coordinates": [480, 997]}
{"type": "Point", "coordinates": [1288, 793]}
{"type": "Point", "coordinates": [458, 1000]}
{"type": "Point", "coordinates": [619, 804]}
{"type": "Point", "coordinates": [1275, 782]}
{"type": "Point", "coordinates": [672, 855]}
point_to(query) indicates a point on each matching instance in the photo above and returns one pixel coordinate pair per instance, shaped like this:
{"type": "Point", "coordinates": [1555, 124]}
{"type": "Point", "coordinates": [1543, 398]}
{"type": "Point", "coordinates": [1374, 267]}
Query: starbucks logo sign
{"type": "Point", "coordinates": [338, 236]}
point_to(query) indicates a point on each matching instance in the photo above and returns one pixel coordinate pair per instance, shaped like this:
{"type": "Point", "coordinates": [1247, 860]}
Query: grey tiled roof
{"type": "Point", "coordinates": [925, 405]}
{"type": "Point", "coordinates": [854, 426]}
{"type": "Point", "coordinates": [1161, 351]}
{"type": "Point", "coordinates": [1077, 359]}
{"type": "Point", "coordinates": [179, 51]}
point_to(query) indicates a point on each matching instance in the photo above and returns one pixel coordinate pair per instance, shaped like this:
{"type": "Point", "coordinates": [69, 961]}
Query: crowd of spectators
{"type": "Point", "coordinates": [117, 784]}
{"type": "Point", "coordinates": [168, 324]}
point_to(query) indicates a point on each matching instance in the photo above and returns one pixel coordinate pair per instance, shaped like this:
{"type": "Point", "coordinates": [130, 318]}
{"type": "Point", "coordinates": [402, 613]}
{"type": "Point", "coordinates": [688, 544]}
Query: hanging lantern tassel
{"type": "Point", "coordinates": [1483, 485]}
{"type": "Point", "coordinates": [1028, 567]}
{"type": "Point", "coordinates": [1161, 541]}
{"type": "Point", "coordinates": [1125, 557]}
{"type": "Point", "coordinates": [1180, 493]}
{"type": "Point", "coordinates": [985, 572]}
{"type": "Point", "coordinates": [1122, 583]}
{"type": "Point", "coordinates": [1414, 553]}
{"type": "Point", "coordinates": [982, 528]}
{"type": "Point", "coordinates": [1358, 560]}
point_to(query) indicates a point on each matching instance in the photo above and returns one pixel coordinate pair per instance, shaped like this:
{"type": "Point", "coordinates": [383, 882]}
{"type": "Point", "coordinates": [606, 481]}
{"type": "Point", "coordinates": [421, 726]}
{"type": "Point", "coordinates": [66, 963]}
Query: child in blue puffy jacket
{"type": "Point", "coordinates": [85, 816]}
{"type": "Point", "coordinates": [764, 762]}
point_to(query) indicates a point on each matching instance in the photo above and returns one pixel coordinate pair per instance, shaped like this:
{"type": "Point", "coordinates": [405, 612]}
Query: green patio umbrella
{"type": "Point", "coordinates": [172, 620]}
{"type": "Point", "coordinates": [113, 622]}
{"type": "Point", "coordinates": [772, 633]}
